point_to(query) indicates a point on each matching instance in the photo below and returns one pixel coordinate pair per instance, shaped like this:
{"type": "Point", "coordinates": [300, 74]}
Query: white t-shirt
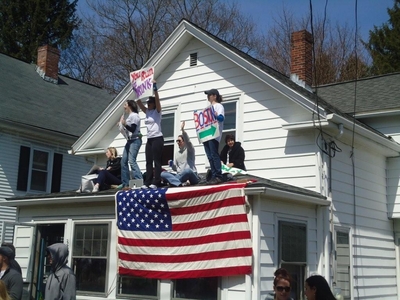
{"type": "Point", "coordinates": [153, 123]}
{"type": "Point", "coordinates": [219, 108]}
{"type": "Point", "coordinates": [133, 118]}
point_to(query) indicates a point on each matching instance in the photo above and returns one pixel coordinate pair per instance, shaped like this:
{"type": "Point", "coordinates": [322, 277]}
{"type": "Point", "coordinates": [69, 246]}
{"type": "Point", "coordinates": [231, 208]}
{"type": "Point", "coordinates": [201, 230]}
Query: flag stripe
{"type": "Point", "coordinates": [184, 258]}
{"type": "Point", "coordinates": [211, 222]}
{"type": "Point", "coordinates": [192, 246]}
{"type": "Point", "coordinates": [227, 202]}
{"type": "Point", "coordinates": [188, 193]}
{"type": "Point", "coordinates": [228, 271]}
{"type": "Point", "coordinates": [174, 235]}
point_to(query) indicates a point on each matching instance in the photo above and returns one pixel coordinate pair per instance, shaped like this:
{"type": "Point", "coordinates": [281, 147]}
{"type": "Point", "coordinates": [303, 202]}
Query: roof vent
{"type": "Point", "coordinates": [193, 59]}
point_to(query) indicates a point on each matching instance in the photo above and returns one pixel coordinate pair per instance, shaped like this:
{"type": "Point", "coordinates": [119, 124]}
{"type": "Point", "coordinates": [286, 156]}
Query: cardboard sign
{"type": "Point", "coordinates": [206, 124]}
{"type": "Point", "coordinates": [142, 82]}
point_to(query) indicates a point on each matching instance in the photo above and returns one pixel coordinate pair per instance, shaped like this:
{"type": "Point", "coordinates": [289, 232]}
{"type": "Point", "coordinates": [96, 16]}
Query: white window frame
{"type": "Point", "coordinates": [175, 110]}
{"type": "Point", "coordinates": [346, 230]}
{"type": "Point", "coordinates": [50, 159]}
{"type": "Point", "coordinates": [107, 257]}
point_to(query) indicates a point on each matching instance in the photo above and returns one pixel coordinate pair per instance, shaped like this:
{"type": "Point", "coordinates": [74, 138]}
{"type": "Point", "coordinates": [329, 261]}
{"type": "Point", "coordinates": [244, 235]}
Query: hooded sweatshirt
{"type": "Point", "coordinates": [61, 283]}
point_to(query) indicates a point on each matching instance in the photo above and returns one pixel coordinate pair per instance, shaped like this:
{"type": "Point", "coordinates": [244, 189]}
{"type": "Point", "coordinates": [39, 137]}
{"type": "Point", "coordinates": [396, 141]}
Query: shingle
{"type": "Point", "coordinates": [68, 107]}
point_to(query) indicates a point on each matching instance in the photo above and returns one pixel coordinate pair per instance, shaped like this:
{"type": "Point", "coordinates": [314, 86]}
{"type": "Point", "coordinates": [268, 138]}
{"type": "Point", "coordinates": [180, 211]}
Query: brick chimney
{"type": "Point", "coordinates": [301, 56]}
{"type": "Point", "coordinates": [47, 63]}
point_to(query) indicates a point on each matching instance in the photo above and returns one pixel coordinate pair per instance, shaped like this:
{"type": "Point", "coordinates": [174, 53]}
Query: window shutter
{"type": "Point", "coordinates": [56, 176]}
{"type": "Point", "coordinates": [23, 168]}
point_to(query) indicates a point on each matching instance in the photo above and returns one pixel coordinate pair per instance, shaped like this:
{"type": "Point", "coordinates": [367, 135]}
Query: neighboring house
{"type": "Point", "coordinates": [41, 115]}
{"type": "Point", "coordinates": [320, 203]}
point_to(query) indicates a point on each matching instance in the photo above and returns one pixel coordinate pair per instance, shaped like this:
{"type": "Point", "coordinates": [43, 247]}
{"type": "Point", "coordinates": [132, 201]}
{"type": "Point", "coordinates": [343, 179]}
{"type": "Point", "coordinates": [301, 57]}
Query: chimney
{"type": "Point", "coordinates": [301, 56]}
{"type": "Point", "coordinates": [47, 63]}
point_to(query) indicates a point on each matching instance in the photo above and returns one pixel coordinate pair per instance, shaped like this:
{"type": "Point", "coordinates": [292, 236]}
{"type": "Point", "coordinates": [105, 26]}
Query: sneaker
{"type": "Point", "coordinates": [144, 186]}
{"type": "Point", "coordinates": [152, 186]}
{"type": "Point", "coordinates": [186, 183]}
{"type": "Point", "coordinates": [78, 191]}
{"type": "Point", "coordinates": [215, 180]}
{"type": "Point", "coordinates": [120, 187]}
{"type": "Point", "coordinates": [95, 189]}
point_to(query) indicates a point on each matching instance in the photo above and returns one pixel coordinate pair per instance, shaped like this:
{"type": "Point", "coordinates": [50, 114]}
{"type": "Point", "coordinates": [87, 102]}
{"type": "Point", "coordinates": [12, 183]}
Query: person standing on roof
{"type": "Point", "coordinates": [211, 146]}
{"type": "Point", "coordinates": [61, 283]}
{"type": "Point", "coordinates": [155, 139]}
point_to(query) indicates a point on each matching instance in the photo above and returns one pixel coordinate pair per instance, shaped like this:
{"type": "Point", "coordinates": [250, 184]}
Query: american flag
{"type": "Point", "coordinates": [187, 232]}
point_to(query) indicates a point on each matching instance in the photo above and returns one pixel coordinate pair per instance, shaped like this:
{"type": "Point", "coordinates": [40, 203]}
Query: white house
{"type": "Point", "coordinates": [320, 205]}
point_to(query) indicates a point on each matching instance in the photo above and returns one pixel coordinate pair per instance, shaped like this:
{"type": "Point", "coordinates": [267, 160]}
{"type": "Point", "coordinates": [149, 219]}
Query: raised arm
{"type": "Point", "coordinates": [157, 97]}
{"type": "Point", "coordinates": [141, 105]}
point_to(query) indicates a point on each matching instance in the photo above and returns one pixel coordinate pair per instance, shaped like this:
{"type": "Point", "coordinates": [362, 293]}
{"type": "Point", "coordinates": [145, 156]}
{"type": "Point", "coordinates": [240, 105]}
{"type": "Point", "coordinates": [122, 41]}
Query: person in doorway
{"type": "Point", "coordinates": [133, 144]}
{"type": "Point", "coordinates": [13, 263]}
{"type": "Point", "coordinates": [155, 139]}
{"type": "Point", "coordinates": [282, 284]}
{"type": "Point", "coordinates": [110, 175]}
{"type": "Point", "coordinates": [184, 163]}
{"type": "Point", "coordinates": [317, 288]}
{"type": "Point", "coordinates": [232, 154]}
{"type": "Point", "coordinates": [11, 278]}
{"type": "Point", "coordinates": [211, 146]}
{"type": "Point", "coordinates": [3, 291]}
{"type": "Point", "coordinates": [61, 283]}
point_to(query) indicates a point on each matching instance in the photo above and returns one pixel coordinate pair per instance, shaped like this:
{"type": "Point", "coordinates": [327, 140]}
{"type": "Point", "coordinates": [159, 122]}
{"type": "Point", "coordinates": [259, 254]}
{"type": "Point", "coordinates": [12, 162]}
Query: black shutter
{"type": "Point", "coordinates": [23, 168]}
{"type": "Point", "coordinates": [56, 177]}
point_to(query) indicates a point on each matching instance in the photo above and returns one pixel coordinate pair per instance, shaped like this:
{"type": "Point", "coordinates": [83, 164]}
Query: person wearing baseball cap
{"type": "Point", "coordinates": [11, 278]}
{"type": "Point", "coordinates": [211, 146]}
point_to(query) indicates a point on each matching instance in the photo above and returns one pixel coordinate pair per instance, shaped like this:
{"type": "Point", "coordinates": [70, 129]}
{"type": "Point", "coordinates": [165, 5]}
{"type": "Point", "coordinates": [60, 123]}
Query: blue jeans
{"type": "Point", "coordinates": [211, 148]}
{"type": "Point", "coordinates": [177, 179]}
{"type": "Point", "coordinates": [106, 178]}
{"type": "Point", "coordinates": [131, 151]}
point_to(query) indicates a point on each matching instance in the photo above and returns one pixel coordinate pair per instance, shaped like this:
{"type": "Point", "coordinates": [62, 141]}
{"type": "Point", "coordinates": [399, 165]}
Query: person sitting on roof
{"type": "Point", "coordinates": [184, 164]}
{"type": "Point", "coordinates": [232, 155]}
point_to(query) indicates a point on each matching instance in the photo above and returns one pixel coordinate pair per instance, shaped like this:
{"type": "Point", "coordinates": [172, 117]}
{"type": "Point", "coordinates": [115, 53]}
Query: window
{"type": "Point", "coordinates": [39, 170]}
{"type": "Point", "coordinates": [342, 259]}
{"type": "Point", "coordinates": [168, 125]}
{"type": "Point", "coordinates": [293, 253]}
{"type": "Point", "coordinates": [138, 286]}
{"type": "Point", "coordinates": [197, 288]}
{"type": "Point", "coordinates": [89, 257]}
{"type": "Point", "coordinates": [229, 122]}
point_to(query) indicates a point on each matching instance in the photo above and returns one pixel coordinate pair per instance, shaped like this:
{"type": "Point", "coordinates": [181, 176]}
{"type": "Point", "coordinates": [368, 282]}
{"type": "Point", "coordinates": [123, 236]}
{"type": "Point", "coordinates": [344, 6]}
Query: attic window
{"type": "Point", "coordinates": [193, 59]}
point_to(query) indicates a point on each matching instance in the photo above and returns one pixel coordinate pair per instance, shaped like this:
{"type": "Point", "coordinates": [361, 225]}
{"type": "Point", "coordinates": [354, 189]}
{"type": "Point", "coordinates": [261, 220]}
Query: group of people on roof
{"type": "Point", "coordinates": [119, 171]}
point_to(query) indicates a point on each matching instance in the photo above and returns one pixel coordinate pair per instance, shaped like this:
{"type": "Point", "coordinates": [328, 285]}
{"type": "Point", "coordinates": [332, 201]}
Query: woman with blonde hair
{"type": "Point", "coordinates": [111, 174]}
{"type": "Point", "coordinates": [3, 291]}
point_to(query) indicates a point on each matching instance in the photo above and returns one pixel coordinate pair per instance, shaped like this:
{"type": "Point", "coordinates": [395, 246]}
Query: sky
{"type": "Point", "coordinates": [369, 12]}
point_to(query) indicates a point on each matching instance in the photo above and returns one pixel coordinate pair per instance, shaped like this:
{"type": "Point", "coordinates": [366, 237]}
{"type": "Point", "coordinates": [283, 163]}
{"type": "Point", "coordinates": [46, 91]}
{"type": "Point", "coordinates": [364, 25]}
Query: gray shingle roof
{"type": "Point", "coordinates": [68, 107]}
{"type": "Point", "coordinates": [378, 93]}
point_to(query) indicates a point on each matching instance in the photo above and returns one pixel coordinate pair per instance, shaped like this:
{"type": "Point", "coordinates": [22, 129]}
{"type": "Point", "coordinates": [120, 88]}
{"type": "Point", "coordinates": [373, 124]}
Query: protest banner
{"type": "Point", "coordinates": [206, 124]}
{"type": "Point", "coordinates": [142, 82]}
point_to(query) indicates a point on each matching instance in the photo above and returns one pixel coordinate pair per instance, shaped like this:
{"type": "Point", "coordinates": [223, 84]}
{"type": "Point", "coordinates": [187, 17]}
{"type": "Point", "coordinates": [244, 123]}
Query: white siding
{"type": "Point", "coordinates": [372, 237]}
{"type": "Point", "coordinates": [393, 186]}
{"type": "Point", "coordinates": [389, 125]}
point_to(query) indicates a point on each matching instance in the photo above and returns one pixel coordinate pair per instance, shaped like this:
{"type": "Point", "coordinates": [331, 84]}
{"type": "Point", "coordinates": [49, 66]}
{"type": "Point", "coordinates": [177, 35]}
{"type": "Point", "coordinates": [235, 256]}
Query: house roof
{"type": "Point", "coordinates": [256, 185]}
{"type": "Point", "coordinates": [374, 94]}
{"type": "Point", "coordinates": [26, 99]}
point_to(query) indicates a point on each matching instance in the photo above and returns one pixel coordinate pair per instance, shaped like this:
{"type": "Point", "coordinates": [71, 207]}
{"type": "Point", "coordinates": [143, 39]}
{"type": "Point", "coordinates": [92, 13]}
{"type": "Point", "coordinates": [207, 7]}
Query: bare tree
{"type": "Point", "coordinates": [333, 48]}
{"type": "Point", "coordinates": [119, 36]}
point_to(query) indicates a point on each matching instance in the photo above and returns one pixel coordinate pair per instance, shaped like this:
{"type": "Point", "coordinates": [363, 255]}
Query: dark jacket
{"type": "Point", "coordinates": [115, 165]}
{"type": "Point", "coordinates": [61, 283]}
{"type": "Point", "coordinates": [236, 155]}
{"type": "Point", "coordinates": [13, 281]}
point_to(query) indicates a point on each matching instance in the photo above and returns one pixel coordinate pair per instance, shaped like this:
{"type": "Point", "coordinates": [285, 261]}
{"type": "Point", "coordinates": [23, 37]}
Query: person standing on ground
{"type": "Point", "coordinates": [184, 163]}
{"type": "Point", "coordinates": [61, 283]}
{"type": "Point", "coordinates": [133, 144]}
{"type": "Point", "coordinates": [14, 264]}
{"type": "Point", "coordinates": [11, 278]}
{"type": "Point", "coordinates": [155, 139]}
{"type": "Point", "coordinates": [211, 146]}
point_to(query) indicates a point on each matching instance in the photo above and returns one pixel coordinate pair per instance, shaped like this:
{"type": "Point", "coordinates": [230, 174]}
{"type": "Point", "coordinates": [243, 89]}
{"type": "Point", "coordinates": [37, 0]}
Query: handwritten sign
{"type": "Point", "coordinates": [142, 82]}
{"type": "Point", "coordinates": [206, 124]}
